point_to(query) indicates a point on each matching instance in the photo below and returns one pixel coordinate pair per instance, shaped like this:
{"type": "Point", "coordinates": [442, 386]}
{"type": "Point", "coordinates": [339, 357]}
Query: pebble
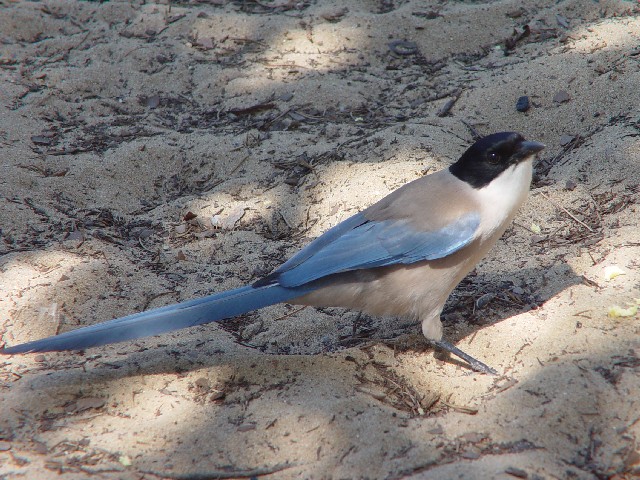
{"type": "Point", "coordinates": [517, 291]}
{"type": "Point", "coordinates": [516, 472]}
{"type": "Point", "coordinates": [566, 140]}
{"type": "Point", "coordinates": [523, 104]}
{"type": "Point", "coordinates": [484, 300]}
{"type": "Point", "coordinates": [470, 455]}
{"type": "Point", "coordinates": [562, 96]}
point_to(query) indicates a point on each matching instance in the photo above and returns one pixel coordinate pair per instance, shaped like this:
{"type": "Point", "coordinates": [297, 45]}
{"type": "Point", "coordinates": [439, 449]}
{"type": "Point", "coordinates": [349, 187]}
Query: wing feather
{"type": "Point", "coordinates": [367, 244]}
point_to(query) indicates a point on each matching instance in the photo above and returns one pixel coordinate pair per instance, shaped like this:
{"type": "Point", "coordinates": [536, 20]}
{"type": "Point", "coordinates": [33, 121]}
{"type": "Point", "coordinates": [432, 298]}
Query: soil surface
{"type": "Point", "coordinates": [153, 153]}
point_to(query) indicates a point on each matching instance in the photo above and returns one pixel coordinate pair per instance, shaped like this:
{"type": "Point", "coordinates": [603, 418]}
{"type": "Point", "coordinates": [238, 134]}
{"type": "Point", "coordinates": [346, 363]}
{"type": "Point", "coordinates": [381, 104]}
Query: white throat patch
{"type": "Point", "coordinates": [501, 199]}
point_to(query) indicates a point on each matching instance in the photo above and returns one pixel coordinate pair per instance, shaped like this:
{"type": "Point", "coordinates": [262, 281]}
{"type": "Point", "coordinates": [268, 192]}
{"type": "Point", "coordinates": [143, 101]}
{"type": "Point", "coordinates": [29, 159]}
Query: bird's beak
{"type": "Point", "coordinates": [527, 148]}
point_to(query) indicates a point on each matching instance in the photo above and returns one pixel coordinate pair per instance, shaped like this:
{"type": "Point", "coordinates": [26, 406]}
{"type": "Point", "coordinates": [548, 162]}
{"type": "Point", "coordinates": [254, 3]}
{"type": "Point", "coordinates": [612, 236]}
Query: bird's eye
{"type": "Point", "coordinates": [493, 158]}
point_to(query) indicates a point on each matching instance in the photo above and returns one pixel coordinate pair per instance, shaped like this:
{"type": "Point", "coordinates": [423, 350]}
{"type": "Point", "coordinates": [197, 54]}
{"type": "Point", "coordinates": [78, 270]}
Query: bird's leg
{"type": "Point", "coordinates": [476, 365]}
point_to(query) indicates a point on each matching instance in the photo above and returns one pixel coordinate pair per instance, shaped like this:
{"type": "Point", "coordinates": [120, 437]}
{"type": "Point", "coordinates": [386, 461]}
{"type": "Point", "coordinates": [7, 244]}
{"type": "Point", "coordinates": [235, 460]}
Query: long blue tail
{"type": "Point", "coordinates": [208, 309]}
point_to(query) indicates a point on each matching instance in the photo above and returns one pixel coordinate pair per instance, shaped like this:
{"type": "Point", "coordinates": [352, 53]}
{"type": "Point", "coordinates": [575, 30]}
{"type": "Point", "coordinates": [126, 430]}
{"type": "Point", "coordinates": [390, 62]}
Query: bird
{"type": "Point", "coordinates": [402, 256]}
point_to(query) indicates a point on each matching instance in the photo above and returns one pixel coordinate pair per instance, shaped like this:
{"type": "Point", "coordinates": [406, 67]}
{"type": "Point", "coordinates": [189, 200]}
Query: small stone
{"type": "Point", "coordinates": [403, 47]}
{"type": "Point", "coordinates": [143, 233]}
{"type": "Point", "coordinates": [484, 300]}
{"type": "Point", "coordinates": [285, 97]}
{"type": "Point", "coordinates": [562, 96]}
{"type": "Point", "coordinates": [335, 15]}
{"type": "Point", "coordinates": [437, 430]}
{"type": "Point", "coordinates": [515, 13]}
{"type": "Point", "coordinates": [566, 140]}
{"type": "Point", "coordinates": [562, 21]}
{"type": "Point", "coordinates": [523, 104]}
{"type": "Point", "coordinates": [233, 218]}
{"type": "Point", "coordinates": [206, 43]}
{"type": "Point", "coordinates": [516, 472]}
{"type": "Point", "coordinates": [89, 403]}
{"type": "Point", "coordinates": [76, 235]}
{"type": "Point", "coordinates": [219, 395]}
{"type": "Point", "coordinates": [473, 437]}
{"type": "Point", "coordinates": [41, 140]}
{"type": "Point", "coordinates": [471, 455]}
{"type": "Point", "coordinates": [570, 185]}
{"type": "Point", "coordinates": [203, 383]}
{"type": "Point", "coordinates": [153, 101]}
{"type": "Point", "coordinates": [246, 427]}
{"type": "Point", "coordinates": [40, 447]}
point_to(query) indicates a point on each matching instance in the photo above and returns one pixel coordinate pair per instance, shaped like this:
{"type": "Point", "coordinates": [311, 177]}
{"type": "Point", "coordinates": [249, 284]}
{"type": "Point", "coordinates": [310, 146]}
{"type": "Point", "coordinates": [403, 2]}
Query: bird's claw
{"type": "Point", "coordinates": [476, 365]}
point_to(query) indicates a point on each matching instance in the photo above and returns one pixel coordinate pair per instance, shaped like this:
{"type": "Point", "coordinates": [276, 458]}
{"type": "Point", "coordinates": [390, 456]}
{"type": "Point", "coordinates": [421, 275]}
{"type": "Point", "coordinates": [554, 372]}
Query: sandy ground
{"type": "Point", "coordinates": [128, 128]}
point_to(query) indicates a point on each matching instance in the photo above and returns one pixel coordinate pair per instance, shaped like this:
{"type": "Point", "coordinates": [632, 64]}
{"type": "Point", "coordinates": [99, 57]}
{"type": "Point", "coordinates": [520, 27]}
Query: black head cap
{"type": "Point", "coordinates": [486, 159]}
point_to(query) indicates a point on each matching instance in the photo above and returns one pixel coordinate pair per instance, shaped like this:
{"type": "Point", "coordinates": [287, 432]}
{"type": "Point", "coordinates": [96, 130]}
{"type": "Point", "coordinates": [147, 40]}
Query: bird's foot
{"type": "Point", "coordinates": [476, 365]}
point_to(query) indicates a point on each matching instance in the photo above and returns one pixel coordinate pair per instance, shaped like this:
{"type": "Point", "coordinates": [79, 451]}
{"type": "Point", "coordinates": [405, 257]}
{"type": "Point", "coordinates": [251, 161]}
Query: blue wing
{"type": "Point", "coordinates": [359, 243]}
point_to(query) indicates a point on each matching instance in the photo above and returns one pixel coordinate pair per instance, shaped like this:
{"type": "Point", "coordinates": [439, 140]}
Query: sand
{"type": "Point", "coordinates": [129, 130]}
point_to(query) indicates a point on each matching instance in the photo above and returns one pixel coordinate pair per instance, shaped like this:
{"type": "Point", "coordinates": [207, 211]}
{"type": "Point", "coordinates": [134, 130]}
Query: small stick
{"type": "Point", "coordinates": [446, 108]}
{"type": "Point", "coordinates": [460, 408]}
{"type": "Point", "coordinates": [567, 212]}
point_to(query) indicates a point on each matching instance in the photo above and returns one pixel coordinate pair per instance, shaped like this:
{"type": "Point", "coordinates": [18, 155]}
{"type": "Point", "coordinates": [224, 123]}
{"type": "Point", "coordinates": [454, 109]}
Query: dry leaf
{"type": "Point", "coordinates": [616, 311]}
{"type": "Point", "coordinates": [612, 271]}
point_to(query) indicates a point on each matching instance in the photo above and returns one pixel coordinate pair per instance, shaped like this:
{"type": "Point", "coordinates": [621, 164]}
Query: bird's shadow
{"type": "Point", "coordinates": [487, 298]}
{"type": "Point", "coordinates": [481, 299]}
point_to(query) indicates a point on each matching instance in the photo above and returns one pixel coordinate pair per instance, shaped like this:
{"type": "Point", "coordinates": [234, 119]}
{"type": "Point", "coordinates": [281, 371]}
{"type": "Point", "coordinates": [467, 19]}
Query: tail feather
{"type": "Point", "coordinates": [164, 319]}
